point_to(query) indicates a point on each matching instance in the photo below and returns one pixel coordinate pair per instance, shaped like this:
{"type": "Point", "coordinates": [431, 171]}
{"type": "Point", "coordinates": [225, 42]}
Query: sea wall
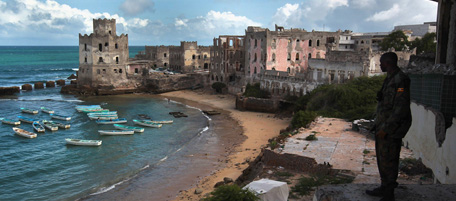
{"type": "Point", "coordinates": [257, 104]}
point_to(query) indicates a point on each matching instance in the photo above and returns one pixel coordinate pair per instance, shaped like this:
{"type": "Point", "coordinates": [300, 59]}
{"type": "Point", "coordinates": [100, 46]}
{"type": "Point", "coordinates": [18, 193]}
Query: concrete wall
{"type": "Point", "coordinates": [423, 140]}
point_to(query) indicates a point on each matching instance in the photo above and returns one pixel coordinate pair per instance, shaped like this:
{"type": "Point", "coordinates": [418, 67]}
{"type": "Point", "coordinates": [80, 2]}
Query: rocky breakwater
{"type": "Point", "coordinates": [4, 91]}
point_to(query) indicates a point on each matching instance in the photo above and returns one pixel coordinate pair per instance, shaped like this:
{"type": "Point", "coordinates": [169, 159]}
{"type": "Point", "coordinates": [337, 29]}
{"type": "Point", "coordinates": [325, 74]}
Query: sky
{"type": "Point", "coordinates": [167, 22]}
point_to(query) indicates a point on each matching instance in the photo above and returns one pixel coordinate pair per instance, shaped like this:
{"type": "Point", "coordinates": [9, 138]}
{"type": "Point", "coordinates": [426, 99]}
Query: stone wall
{"type": "Point", "coordinates": [257, 104]}
{"type": "Point", "coordinates": [175, 82]}
{"type": "Point", "coordinates": [435, 147]}
{"type": "Point", "coordinates": [293, 162]}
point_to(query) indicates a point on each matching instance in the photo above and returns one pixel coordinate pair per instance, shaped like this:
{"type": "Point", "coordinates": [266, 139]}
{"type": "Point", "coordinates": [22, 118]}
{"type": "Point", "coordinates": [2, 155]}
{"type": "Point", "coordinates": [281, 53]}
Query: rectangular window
{"type": "Point", "coordinates": [136, 70]}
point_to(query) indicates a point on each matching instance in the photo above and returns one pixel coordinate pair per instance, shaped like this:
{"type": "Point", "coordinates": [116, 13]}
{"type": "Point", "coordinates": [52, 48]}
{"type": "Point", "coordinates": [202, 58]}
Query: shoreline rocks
{"type": "Point", "coordinates": [9, 90]}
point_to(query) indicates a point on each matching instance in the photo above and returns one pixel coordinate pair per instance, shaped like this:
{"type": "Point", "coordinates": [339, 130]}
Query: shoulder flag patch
{"type": "Point", "coordinates": [400, 89]}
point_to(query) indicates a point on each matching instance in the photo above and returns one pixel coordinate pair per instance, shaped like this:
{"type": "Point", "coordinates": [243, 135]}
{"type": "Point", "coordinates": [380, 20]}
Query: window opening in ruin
{"type": "Point", "coordinates": [346, 47]}
{"type": "Point", "coordinates": [297, 56]}
{"type": "Point", "coordinates": [255, 71]}
{"type": "Point", "coordinates": [85, 47]}
{"type": "Point", "coordinates": [255, 42]}
{"type": "Point", "coordinates": [115, 70]}
{"type": "Point", "coordinates": [310, 43]}
{"type": "Point", "coordinates": [318, 42]}
{"type": "Point", "coordinates": [297, 40]}
{"type": "Point", "coordinates": [193, 56]}
{"type": "Point", "coordinates": [85, 59]}
{"type": "Point", "coordinates": [100, 47]}
{"type": "Point", "coordinates": [309, 56]}
{"type": "Point", "coordinates": [199, 56]}
{"type": "Point", "coordinates": [106, 44]}
{"type": "Point", "coordinates": [212, 76]}
{"type": "Point", "coordinates": [346, 38]}
{"type": "Point", "coordinates": [255, 58]}
{"type": "Point", "coordinates": [165, 64]}
{"type": "Point", "coordinates": [216, 78]}
{"type": "Point", "coordinates": [98, 71]}
{"type": "Point", "coordinates": [289, 57]}
{"type": "Point", "coordinates": [288, 69]}
{"type": "Point", "coordinates": [205, 56]}
{"type": "Point", "coordinates": [109, 32]}
{"type": "Point", "coordinates": [136, 70]}
{"type": "Point", "coordinates": [289, 41]}
{"type": "Point", "coordinates": [104, 71]}
{"type": "Point", "coordinates": [273, 57]}
{"type": "Point", "coordinates": [273, 68]}
{"type": "Point", "coordinates": [117, 60]}
{"type": "Point", "coordinates": [164, 54]}
{"type": "Point", "coordinates": [206, 66]}
{"type": "Point", "coordinates": [120, 70]}
{"type": "Point", "coordinates": [116, 46]}
{"type": "Point", "coordinates": [100, 59]}
{"type": "Point", "coordinates": [231, 43]}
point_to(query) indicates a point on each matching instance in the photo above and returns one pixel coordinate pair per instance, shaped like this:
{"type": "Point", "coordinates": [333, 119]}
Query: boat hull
{"type": "Point", "coordinates": [123, 127]}
{"type": "Point", "coordinates": [112, 121]}
{"type": "Point", "coordinates": [116, 132]}
{"type": "Point", "coordinates": [38, 127]}
{"type": "Point", "coordinates": [24, 133]}
{"type": "Point", "coordinates": [79, 142]}
{"type": "Point", "coordinates": [10, 121]}
{"type": "Point", "coordinates": [148, 124]}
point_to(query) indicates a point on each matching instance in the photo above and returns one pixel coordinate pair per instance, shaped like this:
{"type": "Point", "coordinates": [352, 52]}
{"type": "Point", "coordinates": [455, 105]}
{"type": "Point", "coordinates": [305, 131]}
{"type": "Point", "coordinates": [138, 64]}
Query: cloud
{"type": "Point", "coordinates": [135, 7]}
{"type": "Point", "coordinates": [363, 3]}
{"type": "Point", "coordinates": [391, 13]}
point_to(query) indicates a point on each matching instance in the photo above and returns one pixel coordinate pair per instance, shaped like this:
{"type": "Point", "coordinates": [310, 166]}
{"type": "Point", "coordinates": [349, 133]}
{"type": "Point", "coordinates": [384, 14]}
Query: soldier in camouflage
{"type": "Point", "coordinates": [392, 122]}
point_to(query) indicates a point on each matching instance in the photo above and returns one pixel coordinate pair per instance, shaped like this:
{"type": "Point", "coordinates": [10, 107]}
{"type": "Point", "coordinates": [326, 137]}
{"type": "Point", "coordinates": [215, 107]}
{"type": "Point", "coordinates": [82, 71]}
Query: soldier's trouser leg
{"type": "Point", "coordinates": [388, 152]}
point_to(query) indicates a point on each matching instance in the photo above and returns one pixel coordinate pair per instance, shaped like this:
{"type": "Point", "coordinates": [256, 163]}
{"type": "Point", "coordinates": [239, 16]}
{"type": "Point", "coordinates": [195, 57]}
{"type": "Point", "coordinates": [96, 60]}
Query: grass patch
{"type": "Point", "coordinates": [306, 184]}
{"type": "Point", "coordinates": [311, 137]}
{"type": "Point", "coordinates": [273, 144]}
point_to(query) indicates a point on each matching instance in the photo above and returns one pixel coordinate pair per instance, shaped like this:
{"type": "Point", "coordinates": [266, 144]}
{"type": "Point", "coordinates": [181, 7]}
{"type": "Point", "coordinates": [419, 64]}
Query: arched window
{"type": "Point", "coordinates": [318, 42]}
{"type": "Point", "coordinates": [100, 59]}
{"type": "Point", "coordinates": [309, 56]}
{"type": "Point", "coordinates": [255, 42]}
{"type": "Point", "coordinates": [106, 44]}
{"type": "Point", "coordinates": [85, 59]}
{"type": "Point", "coordinates": [165, 64]}
{"type": "Point", "coordinates": [100, 47]}
{"type": "Point", "coordinates": [255, 70]}
{"type": "Point", "coordinates": [164, 54]}
{"type": "Point", "coordinates": [362, 42]}
{"type": "Point", "coordinates": [288, 69]}
{"type": "Point", "coordinates": [216, 78]}
{"type": "Point", "coordinates": [205, 56]}
{"type": "Point", "coordinates": [199, 56]}
{"type": "Point", "coordinates": [310, 43]}
{"type": "Point", "coordinates": [255, 58]}
{"type": "Point", "coordinates": [297, 56]}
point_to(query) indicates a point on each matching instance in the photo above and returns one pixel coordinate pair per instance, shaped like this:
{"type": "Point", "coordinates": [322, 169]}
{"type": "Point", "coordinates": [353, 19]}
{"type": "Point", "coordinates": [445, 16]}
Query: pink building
{"type": "Point", "coordinates": [284, 49]}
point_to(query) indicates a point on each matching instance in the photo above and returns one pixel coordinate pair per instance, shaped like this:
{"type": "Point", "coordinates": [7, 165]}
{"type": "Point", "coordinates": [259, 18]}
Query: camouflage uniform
{"type": "Point", "coordinates": [394, 118]}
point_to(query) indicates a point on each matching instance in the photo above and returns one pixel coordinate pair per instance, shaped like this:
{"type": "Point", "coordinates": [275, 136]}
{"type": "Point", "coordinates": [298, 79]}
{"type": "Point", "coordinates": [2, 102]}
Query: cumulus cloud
{"type": "Point", "coordinates": [135, 7]}
{"type": "Point", "coordinates": [355, 15]}
{"type": "Point", "coordinates": [391, 13]}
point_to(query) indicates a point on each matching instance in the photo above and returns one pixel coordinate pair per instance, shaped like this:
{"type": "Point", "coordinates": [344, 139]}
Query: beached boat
{"type": "Point", "coordinates": [47, 110]}
{"type": "Point", "coordinates": [103, 118]}
{"type": "Point", "coordinates": [147, 123]}
{"type": "Point", "coordinates": [112, 121]}
{"type": "Point", "coordinates": [160, 121]}
{"type": "Point", "coordinates": [123, 127]}
{"type": "Point", "coordinates": [61, 117]}
{"type": "Point", "coordinates": [30, 111]}
{"type": "Point", "coordinates": [10, 121]}
{"type": "Point", "coordinates": [27, 120]}
{"type": "Point", "coordinates": [83, 142]}
{"type": "Point", "coordinates": [116, 132]}
{"type": "Point", "coordinates": [24, 133]}
{"type": "Point", "coordinates": [58, 124]}
{"type": "Point", "coordinates": [38, 127]}
{"type": "Point", "coordinates": [49, 125]}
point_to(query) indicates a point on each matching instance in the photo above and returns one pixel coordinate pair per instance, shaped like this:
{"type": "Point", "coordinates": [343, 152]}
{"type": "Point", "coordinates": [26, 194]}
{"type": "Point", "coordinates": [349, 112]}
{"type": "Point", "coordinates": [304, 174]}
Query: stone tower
{"type": "Point", "coordinates": [103, 56]}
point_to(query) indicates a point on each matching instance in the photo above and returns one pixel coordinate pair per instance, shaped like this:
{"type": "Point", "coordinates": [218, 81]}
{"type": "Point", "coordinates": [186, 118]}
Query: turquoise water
{"type": "Point", "coordinates": [45, 168]}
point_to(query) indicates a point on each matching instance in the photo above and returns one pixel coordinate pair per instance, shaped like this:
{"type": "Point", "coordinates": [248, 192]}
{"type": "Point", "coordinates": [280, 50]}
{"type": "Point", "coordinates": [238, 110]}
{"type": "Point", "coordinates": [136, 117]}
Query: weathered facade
{"type": "Point", "coordinates": [284, 49]}
{"type": "Point", "coordinates": [188, 57]}
{"type": "Point", "coordinates": [280, 84]}
{"type": "Point", "coordinates": [227, 62]}
{"type": "Point", "coordinates": [103, 56]}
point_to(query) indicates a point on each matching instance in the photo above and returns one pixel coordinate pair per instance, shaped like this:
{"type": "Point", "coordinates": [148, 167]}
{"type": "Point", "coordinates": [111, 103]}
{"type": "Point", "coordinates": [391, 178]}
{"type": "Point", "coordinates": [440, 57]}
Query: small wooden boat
{"type": "Point", "coordinates": [112, 121]}
{"type": "Point", "coordinates": [24, 133]}
{"type": "Point", "coordinates": [83, 142]}
{"type": "Point", "coordinates": [30, 111]}
{"type": "Point", "coordinates": [103, 118]}
{"type": "Point", "coordinates": [38, 127]}
{"type": "Point", "coordinates": [160, 121]}
{"type": "Point", "coordinates": [102, 113]}
{"type": "Point", "coordinates": [144, 116]}
{"type": "Point", "coordinates": [50, 126]}
{"type": "Point", "coordinates": [60, 125]}
{"type": "Point", "coordinates": [87, 106]}
{"type": "Point", "coordinates": [47, 110]}
{"type": "Point", "coordinates": [178, 114]}
{"type": "Point", "coordinates": [146, 123]}
{"type": "Point", "coordinates": [27, 120]}
{"type": "Point", "coordinates": [92, 110]}
{"type": "Point", "coordinates": [61, 117]}
{"type": "Point", "coordinates": [116, 132]}
{"type": "Point", "coordinates": [10, 121]}
{"type": "Point", "coordinates": [123, 127]}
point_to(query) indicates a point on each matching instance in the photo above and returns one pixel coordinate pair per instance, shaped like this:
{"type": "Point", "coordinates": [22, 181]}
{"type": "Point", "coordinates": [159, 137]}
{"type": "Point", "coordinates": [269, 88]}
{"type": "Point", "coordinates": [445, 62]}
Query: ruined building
{"type": "Point", "coordinates": [103, 55]}
{"type": "Point", "coordinates": [186, 58]}
{"type": "Point", "coordinates": [227, 62]}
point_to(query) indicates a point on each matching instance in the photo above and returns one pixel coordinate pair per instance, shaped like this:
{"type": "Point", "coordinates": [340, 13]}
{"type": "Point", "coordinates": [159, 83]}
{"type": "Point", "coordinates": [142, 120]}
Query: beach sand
{"type": "Point", "coordinates": [258, 128]}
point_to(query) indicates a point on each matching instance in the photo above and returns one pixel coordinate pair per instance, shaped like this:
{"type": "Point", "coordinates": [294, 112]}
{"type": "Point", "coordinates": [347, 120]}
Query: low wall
{"type": "Point", "coordinates": [257, 104]}
{"type": "Point", "coordinates": [430, 142]}
{"type": "Point", "coordinates": [175, 82]}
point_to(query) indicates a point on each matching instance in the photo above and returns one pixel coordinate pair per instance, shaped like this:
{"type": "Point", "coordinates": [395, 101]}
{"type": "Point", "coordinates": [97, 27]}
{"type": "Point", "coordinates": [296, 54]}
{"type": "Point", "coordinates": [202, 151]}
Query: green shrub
{"type": "Point", "coordinates": [218, 86]}
{"type": "Point", "coordinates": [311, 137]}
{"type": "Point", "coordinates": [303, 118]}
{"type": "Point", "coordinates": [255, 91]}
{"type": "Point", "coordinates": [231, 193]}
{"type": "Point", "coordinates": [273, 144]}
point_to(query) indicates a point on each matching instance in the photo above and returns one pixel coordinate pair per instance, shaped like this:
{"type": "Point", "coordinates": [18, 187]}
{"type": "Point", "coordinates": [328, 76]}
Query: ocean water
{"type": "Point", "coordinates": [45, 168]}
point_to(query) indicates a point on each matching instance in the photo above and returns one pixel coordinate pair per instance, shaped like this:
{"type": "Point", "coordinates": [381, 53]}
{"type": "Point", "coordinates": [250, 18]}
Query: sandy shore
{"type": "Point", "coordinates": [257, 127]}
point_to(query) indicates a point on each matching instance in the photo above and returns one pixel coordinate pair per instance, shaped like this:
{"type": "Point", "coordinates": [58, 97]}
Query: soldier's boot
{"type": "Point", "coordinates": [388, 195]}
{"type": "Point", "coordinates": [378, 192]}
